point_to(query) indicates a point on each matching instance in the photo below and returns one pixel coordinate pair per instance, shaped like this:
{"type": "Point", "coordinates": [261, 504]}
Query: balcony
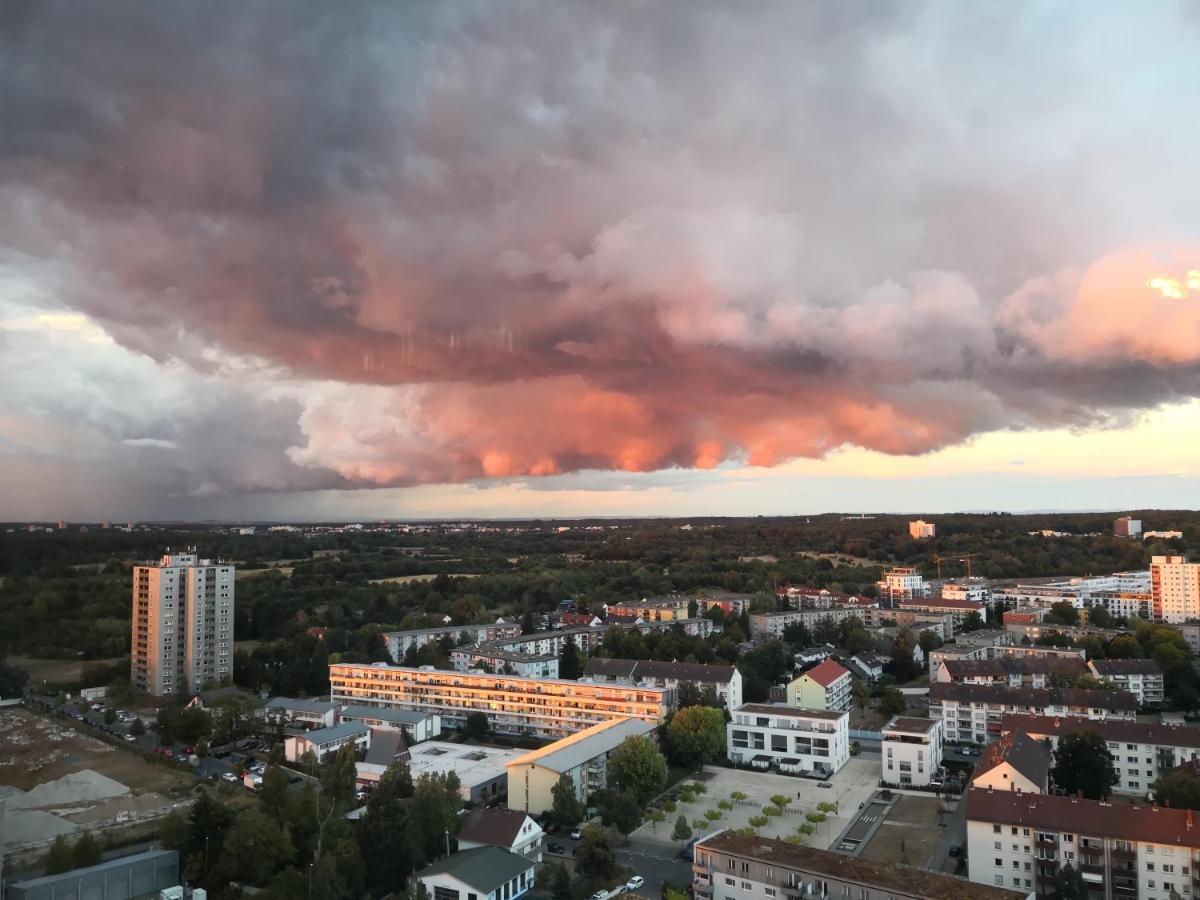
{"type": "Point", "coordinates": [1122, 853]}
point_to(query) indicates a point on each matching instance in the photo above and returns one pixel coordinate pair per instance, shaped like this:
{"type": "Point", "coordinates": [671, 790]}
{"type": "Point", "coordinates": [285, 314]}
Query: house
{"type": "Point", "coordinates": [481, 873]}
{"type": "Point", "coordinates": [810, 656]}
{"type": "Point", "coordinates": [508, 829]}
{"type": "Point", "coordinates": [386, 747]}
{"type": "Point", "coordinates": [826, 686]}
{"type": "Point", "coordinates": [326, 740]}
{"type": "Point", "coordinates": [794, 741]}
{"type": "Point", "coordinates": [866, 666]}
{"type": "Point", "coordinates": [582, 756]}
{"type": "Point", "coordinates": [1016, 762]}
{"type": "Point", "coordinates": [911, 751]}
{"type": "Point", "coordinates": [417, 726]}
{"type": "Point", "coordinates": [1141, 677]}
{"type": "Point", "coordinates": [303, 713]}
{"type": "Point", "coordinates": [726, 681]}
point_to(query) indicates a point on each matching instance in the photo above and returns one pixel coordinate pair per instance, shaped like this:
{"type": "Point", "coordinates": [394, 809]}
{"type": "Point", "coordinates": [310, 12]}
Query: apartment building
{"type": "Point", "coordinates": [326, 740]}
{"type": "Point", "coordinates": [582, 756]}
{"type": "Point", "coordinates": [911, 751]}
{"type": "Point", "coordinates": [731, 866]}
{"type": "Point", "coordinates": [416, 726]}
{"type": "Point", "coordinates": [966, 650]}
{"type": "Point", "coordinates": [1191, 635]}
{"type": "Point", "coordinates": [902, 583]}
{"type": "Point", "coordinates": [400, 642]}
{"type": "Point", "coordinates": [1141, 677]}
{"type": "Point", "coordinates": [774, 624]}
{"type": "Point", "coordinates": [1142, 752]}
{"type": "Point", "coordinates": [730, 603]}
{"type": "Point", "coordinates": [941, 624]}
{"type": "Point", "coordinates": [958, 610]}
{"type": "Point", "coordinates": [920, 530]}
{"type": "Point", "coordinates": [726, 681]}
{"type": "Point", "coordinates": [1015, 762]}
{"type": "Point", "coordinates": [825, 686]}
{"type": "Point", "coordinates": [1122, 604]}
{"type": "Point", "coordinates": [1127, 526]}
{"type": "Point", "coordinates": [1175, 589]}
{"type": "Point", "coordinates": [490, 658]}
{"type": "Point", "coordinates": [182, 624]}
{"type": "Point", "coordinates": [653, 609]}
{"type": "Point", "coordinates": [974, 589]}
{"type": "Point", "coordinates": [538, 707]}
{"type": "Point", "coordinates": [823, 598]}
{"type": "Point", "coordinates": [788, 739]}
{"type": "Point", "coordinates": [1122, 850]}
{"type": "Point", "coordinates": [303, 713]}
{"type": "Point", "coordinates": [550, 643]}
{"type": "Point", "coordinates": [974, 712]}
{"type": "Point", "coordinates": [1009, 671]}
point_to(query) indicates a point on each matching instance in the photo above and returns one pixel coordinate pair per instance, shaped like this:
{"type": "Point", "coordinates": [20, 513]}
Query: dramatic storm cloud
{"type": "Point", "coordinates": [396, 244]}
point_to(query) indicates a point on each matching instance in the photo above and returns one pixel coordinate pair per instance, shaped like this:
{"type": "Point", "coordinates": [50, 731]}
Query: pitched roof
{"type": "Point", "coordinates": [578, 748]}
{"type": "Point", "coordinates": [291, 704]}
{"type": "Point", "coordinates": [649, 668]}
{"type": "Point", "coordinates": [1118, 821]}
{"type": "Point", "coordinates": [1110, 730]}
{"type": "Point", "coordinates": [827, 672]}
{"type": "Point", "coordinates": [1035, 697]}
{"type": "Point", "coordinates": [1014, 665]}
{"type": "Point", "coordinates": [499, 827]}
{"type": "Point", "coordinates": [386, 747]}
{"type": "Point", "coordinates": [1125, 667]}
{"type": "Point", "coordinates": [1030, 758]}
{"type": "Point", "coordinates": [483, 868]}
{"type": "Point", "coordinates": [336, 733]}
{"type": "Point", "coordinates": [898, 881]}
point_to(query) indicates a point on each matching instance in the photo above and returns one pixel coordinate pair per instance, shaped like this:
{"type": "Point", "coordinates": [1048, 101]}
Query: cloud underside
{"type": "Point", "coordinates": [404, 244]}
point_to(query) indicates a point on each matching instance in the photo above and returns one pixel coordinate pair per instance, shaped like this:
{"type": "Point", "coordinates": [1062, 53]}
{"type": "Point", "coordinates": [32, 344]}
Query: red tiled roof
{"type": "Point", "coordinates": [827, 672]}
{"type": "Point", "coordinates": [1110, 730]}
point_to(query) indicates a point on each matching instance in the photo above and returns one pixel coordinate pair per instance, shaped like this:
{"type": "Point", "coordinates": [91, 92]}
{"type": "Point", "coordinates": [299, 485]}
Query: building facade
{"type": "Point", "coordinates": [1009, 671]}
{"type": "Point", "coordinates": [490, 658]}
{"type": "Point", "coordinates": [1141, 677]}
{"type": "Point", "coordinates": [400, 642]}
{"type": "Point", "coordinates": [481, 873]}
{"type": "Point", "coordinates": [1175, 589]}
{"type": "Point", "coordinates": [919, 530]}
{"type": "Point", "coordinates": [546, 708]}
{"type": "Point", "coordinates": [1128, 527]}
{"type": "Point", "coordinates": [182, 624]}
{"type": "Point", "coordinates": [974, 713]}
{"type": "Point", "coordinates": [791, 740]}
{"type": "Point", "coordinates": [825, 686]}
{"type": "Point", "coordinates": [726, 681]}
{"type": "Point", "coordinates": [911, 751]}
{"type": "Point", "coordinates": [902, 583]}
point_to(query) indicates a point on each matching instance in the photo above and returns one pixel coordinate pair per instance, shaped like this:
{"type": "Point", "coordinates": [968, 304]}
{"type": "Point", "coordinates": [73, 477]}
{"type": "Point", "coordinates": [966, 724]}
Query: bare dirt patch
{"type": "Point", "coordinates": [240, 574]}
{"type": "Point", "coordinates": [856, 560]}
{"type": "Point", "coordinates": [409, 579]}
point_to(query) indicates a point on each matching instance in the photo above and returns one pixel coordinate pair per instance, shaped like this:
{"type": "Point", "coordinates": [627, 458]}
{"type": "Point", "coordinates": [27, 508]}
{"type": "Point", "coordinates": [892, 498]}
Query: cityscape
{"type": "Point", "coordinates": [597, 451]}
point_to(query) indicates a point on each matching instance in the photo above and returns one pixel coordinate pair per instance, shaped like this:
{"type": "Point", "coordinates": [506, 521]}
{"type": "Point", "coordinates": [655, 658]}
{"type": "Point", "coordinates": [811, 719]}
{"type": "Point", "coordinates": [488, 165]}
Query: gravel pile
{"type": "Point", "coordinates": [84, 786]}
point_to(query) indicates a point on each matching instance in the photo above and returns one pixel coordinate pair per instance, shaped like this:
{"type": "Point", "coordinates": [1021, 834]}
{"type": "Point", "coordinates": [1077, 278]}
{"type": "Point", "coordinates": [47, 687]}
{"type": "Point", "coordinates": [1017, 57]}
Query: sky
{"type": "Point", "coordinates": [381, 260]}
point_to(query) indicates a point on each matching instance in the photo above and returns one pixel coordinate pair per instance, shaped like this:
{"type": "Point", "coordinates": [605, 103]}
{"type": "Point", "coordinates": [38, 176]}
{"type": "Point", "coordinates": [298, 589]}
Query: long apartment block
{"type": "Point", "coordinates": [399, 642]}
{"type": "Point", "coordinates": [974, 712]}
{"type": "Point", "coordinates": [1123, 851]}
{"type": "Point", "coordinates": [1142, 751]}
{"type": "Point", "coordinates": [537, 707]}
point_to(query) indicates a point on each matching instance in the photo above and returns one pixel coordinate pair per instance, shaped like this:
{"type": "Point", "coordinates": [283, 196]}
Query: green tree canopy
{"type": "Point", "coordinates": [1083, 763]}
{"type": "Point", "coordinates": [1069, 884]}
{"type": "Point", "coordinates": [566, 808]}
{"type": "Point", "coordinates": [638, 767]}
{"type": "Point", "coordinates": [477, 727]}
{"type": "Point", "coordinates": [595, 858]}
{"type": "Point", "coordinates": [1179, 790]}
{"type": "Point", "coordinates": [696, 735]}
{"type": "Point", "coordinates": [254, 849]}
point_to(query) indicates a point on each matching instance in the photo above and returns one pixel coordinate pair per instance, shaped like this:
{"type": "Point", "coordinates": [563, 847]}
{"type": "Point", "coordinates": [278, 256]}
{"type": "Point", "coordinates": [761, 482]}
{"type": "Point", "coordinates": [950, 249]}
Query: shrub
{"type": "Point", "coordinates": [725, 805]}
{"type": "Point", "coordinates": [772, 811]}
{"type": "Point", "coordinates": [816, 817]}
{"type": "Point", "coordinates": [780, 800]}
{"type": "Point", "coordinates": [758, 821]}
{"type": "Point", "coordinates": [737, 795]}
{"type": "Point", "coordinates": [686, 796]}
{"type": "Point", "coordinates": [713, 815]}
{"type": "Point", "coordinates": [698, 788]}
{"type": "Point", "coordinates": [669, 806]}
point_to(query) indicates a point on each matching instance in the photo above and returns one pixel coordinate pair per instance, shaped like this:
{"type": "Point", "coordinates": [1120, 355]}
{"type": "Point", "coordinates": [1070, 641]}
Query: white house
{"type": "Point", "coordinates": [790, 739]}
{"type": "Point", "coordinates": [911, 753]}
{"type": "Point", "coordinates": [1016, 762]}
{"type": "Point", "coordinates": [306, 713]}
{"type": "Point", "coordinates": [417, 725]}
{"type": "Point", "coordinates": [509, 829]}
{"type": "Point", "coordinates": [327, 740]}
{"type": "Point", "coordinates": [481, 873]}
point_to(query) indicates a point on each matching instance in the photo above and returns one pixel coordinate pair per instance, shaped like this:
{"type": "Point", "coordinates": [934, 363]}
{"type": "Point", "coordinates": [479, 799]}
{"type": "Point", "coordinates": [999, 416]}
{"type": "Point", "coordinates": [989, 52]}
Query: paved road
{"type": "Point", "coordinates": [953, 828]}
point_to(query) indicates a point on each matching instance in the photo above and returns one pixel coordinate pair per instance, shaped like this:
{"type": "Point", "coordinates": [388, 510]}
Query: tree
{"type": "Point", "coordinates": [638, 767]}
{"type": "Point", "coordinates": [1069, 884]}
{"type": "Point", "coordinates": [87, 851]}
{"type": "Point", "coordinates": [892, 702]}
{"type": "Point", "coordinates": [110, 716]}
{"type": "Point", "coordinates": [1124, 646]}
{"type": "Point", "coordinates": [477, 727]}
{"type": "Point", "coordinates": [1063, 613]}
{"type": "Point", "coordinates": [137, 727]}
{"type": "Point", "coordinates": [861, 694]}
{"type": "Point", "coordinates": [682, 830]}
{"type": "Point", "coordinates": [560, 883]}
{"type": "Point", "coordinates": [973, 621]}
{"type": "Point", "coordinates": [566, 808]}
{"type": "Point", "coordinates": [928, 641]}
{"type": "Point", "coordinates": [594, 858]}
{"type": "Point", "coordinates": [1100, 617]}
{"type": "Point", "coordinates": [273, 793]}
{"type": "Point", "coordinates": [339, 775]}
{"type": "Point", "coordinates": [621, 809]}
{"type": "Point", "coordinates": [696, 735]}
{"type": "Point", "coordinates": [389, 837]}
{"type": "Point", "coordinates": [60, 859]}
{"type": "Point", "coordinates": [568, 660]}
{"type": "Point", "coordinates": [1083, 763]}
{"type": "Point", "coordinates": [1178, 790]}
{"type": "Point", "coordinates": [798, 635]}
{"type": "Point", "coordinates": [436, 802]}
{"type": "Point", "coordinates": [528, 624]}
{"type": "Point", "coordinates": [858, 641]}
{"type": "Point", "coordinates": [254, 849]}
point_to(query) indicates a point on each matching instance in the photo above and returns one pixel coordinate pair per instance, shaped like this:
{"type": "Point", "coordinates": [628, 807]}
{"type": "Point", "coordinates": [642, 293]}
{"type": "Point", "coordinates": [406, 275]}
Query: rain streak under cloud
{"type": "Point", "coordinates": [389, 245]}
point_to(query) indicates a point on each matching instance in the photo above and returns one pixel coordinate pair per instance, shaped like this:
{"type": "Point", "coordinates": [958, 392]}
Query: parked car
{"type": "Point", "coordinates": [635, 883]}
{"type": "Point", "coordinates": [555, 848]}
{"type": "Point", "coordinates": [129, 738]}
{"type": "Point", "coordinates": [230, 777]}
{"type": "Point", "coordinates": [577, 832]}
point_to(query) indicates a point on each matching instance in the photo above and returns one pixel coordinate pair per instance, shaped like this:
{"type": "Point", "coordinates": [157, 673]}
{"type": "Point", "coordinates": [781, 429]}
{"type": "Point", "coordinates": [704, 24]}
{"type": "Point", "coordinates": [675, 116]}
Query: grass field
{"type": "Point", "coordinates": [54, 671]}
{"type": "Point", "coordinates": [409, 579]}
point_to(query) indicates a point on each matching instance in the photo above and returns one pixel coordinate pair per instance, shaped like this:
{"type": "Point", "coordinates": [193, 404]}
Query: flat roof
{"type": "Point", "coordinates": [578, 748]}
{"type": "Point", "coordinates": [385, 714]}
{"type": "Point", "coordinates": [900, 881]}
{"type": "Point", "coordinates": [911, 724]}
{"type": "Point", "coordinates": [319, 707]}
{"type": "Point", "coordinates": [794, 712]}
{"type": "Point", "coordinates": [473, 765]}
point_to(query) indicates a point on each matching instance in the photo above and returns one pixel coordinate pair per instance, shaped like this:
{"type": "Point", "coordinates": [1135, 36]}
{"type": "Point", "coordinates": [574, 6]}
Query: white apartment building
{"type": "Point", "coordinates": [902, 583]}
{"type": "Point", "coordinates": [975, 590]}
{"type": "Point", "coordinates": [775, 623]}
{"type": "Point", "coordinates": [1127, 526]}
{"type": "Point", "coordinates": [1141, 677]}
{"type": "Point", "coordinates": [974, 712]}
{"type": "Point", "coordinates": [1076, 591]}
{"type": "Point", "coordinates": [911, 752]}
{"type": "Point", "coordinates": [1175, 587]}
{"type": "Point", "coordinates": [182, 624]}
{"type": "Point", "coordinates": [327, 740]}
{"type": "Point", "coordinates": [1135, 851]}
{"type": "Point", "coordinates": [1142, 752]}
{"type": "Point", "coordinates": [400, 642]}
{"type": "Point", "coordinates": [919, 530]}
{"type": "Point", "coordinates": [538, 707]}
{"type": "Point", "coordinates": [732, 866]}
{"type": "Point", "coordinates": [550, 643]}
{"type": "Point", "coordinates": [1009, 671]}
{"type": "Point", "coordinates": [726, 681]}
{"type": "Point", "coordinates": [789, 739]}
{"type": "Point", "coordinates": [490, 658]}
{"type": "Point", "coordinates": [964, 651]}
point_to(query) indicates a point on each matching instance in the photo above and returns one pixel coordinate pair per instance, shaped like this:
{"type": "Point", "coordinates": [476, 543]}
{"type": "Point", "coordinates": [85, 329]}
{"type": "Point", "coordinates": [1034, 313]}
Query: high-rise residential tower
{"type": "Point", "coordinates": [182, 624]}
{"type": "Point", "coordinates": [1175, 588]}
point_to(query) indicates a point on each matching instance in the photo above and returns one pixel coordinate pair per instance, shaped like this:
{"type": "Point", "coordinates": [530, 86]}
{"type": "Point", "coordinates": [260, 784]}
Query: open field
{"type": "Point", "coordinates": [285, 571]}
{"type": "Point", "coordinates": [409, 579]}
{"type": "Point", "coordinates": [55, 671]}
{"type": "Point", "coordinates": [908, 835]}
{"type": "Point", "coordinates": [857, 560]}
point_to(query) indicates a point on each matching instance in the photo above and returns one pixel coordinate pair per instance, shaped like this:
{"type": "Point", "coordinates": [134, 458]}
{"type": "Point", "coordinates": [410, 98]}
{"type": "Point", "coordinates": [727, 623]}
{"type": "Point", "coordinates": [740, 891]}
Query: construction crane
{"type": "Point", "coordinates": [963, 559]}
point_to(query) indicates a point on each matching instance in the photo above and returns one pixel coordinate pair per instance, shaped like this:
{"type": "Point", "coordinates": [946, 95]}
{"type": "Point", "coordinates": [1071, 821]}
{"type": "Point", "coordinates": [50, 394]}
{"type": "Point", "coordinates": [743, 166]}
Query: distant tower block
{"type": "Point", "coordinates": [918, 530]}
{"type": "Point", "coordinates": [1127, 527]}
